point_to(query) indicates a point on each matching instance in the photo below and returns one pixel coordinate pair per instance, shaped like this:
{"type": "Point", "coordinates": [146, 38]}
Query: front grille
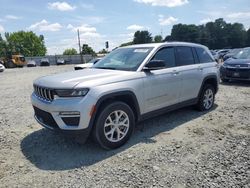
{"type": "Point", "coordinates": [45, 118]}
{"type": "Point", "coordinates": [44, 93]}
{"type": "Point", "coordinates": [242, 73]}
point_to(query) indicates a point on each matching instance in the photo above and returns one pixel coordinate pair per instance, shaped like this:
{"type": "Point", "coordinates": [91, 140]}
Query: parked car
{"type": "Point", "coordinates": [2, 68]}
{"type": "Point", "coordinates": [218, 56]}
{"type": "Point", "coordinates": [130, 84]}
{"type": "Point", "coordinates": [87, 65]}
{"type": "Point", "coordinates": [44, 62]}
{"type": "Point", "coordinates": [31, 63]}
{"type": "Point", "coordinates": [236, 68]}
{"type": "Point", "coordinates": [60, 61]}
{"type": "Point", "coordinates": [231, 53]}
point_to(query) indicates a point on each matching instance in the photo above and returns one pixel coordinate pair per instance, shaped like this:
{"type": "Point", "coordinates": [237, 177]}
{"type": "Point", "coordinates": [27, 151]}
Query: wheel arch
{"type": "Point", "coordinates": [211, 79]}
{"type": "Point", "coordinates": [127, 97]}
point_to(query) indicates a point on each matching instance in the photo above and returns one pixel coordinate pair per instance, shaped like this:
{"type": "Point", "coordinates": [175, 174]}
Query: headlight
{"type": "Point", "coordinates": [71, 92]}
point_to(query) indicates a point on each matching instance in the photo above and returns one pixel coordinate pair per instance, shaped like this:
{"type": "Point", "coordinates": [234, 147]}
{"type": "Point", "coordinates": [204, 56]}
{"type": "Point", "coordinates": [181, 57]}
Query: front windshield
{"type": "Point", "coordinates": [128, 59]}
{"type": "Point", "coordinates": [244, 54]}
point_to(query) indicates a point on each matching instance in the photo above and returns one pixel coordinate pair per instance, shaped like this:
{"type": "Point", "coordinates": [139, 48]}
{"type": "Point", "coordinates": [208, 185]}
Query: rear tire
{"type": "Point", "coordinates": [206, 98]}
{"type": "Point", "coordinates": [114, 125]}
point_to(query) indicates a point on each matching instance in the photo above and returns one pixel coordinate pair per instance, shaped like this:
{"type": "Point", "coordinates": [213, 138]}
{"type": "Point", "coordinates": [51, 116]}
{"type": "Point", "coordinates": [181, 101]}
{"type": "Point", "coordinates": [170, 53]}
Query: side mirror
{"type": "Point", "coordinates": [154, 65]}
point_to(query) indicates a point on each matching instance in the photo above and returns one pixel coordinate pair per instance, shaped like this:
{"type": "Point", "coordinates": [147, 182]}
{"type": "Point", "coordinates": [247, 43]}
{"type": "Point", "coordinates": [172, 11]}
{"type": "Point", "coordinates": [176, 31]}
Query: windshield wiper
{"type": "Point", "coordinates": [111, 68]}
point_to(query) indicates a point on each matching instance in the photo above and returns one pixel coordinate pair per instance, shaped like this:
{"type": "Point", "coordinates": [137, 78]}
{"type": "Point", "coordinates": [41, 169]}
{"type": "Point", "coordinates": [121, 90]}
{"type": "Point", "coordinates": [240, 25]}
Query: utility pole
{"type": "Point", "coordinates": [79, 43]}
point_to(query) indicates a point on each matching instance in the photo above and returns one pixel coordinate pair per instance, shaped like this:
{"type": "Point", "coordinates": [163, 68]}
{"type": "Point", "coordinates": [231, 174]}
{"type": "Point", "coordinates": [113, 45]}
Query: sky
{"type": "Point", "coordinates": [114, 21]}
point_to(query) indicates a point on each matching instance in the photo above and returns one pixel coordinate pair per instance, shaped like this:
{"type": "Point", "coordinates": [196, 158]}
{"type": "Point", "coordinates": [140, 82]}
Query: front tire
{"type": "Point", "coordinates": [114, 125]}
{"type": "Point", "coordinates": [206, 99]}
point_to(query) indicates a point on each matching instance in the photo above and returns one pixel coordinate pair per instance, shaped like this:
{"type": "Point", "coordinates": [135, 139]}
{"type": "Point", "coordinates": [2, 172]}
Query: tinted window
{"type": "Point", "coordinates": [167, 55]}
{"type": "Point", "coordinates": [184, 56]}
{"type": "Point", "coordinates": [203, 56]}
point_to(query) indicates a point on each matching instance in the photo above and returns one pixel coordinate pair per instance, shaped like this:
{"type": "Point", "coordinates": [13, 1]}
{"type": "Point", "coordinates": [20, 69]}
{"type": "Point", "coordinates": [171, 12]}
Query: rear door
{"type": "Point", "coordinates": [162, 87]}
{"type": "Point", "coordinates": [190, 71]}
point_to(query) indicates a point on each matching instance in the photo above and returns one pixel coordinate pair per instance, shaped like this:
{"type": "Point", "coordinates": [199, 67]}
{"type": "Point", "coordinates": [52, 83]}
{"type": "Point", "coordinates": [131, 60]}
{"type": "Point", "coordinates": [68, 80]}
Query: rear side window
{"type": "Point", "coordinates": [167, 55]}
{"type": "Point", "coordinates": [184, 56]}
{"type": "Point", "coordinates": [203, 56]}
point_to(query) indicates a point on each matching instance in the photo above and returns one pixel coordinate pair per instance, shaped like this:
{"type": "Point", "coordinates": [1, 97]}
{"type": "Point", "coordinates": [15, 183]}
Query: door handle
{"type": "Point", "coordinates": [200, 68]}
{"type": "Point", "coordinates": [175, 72]}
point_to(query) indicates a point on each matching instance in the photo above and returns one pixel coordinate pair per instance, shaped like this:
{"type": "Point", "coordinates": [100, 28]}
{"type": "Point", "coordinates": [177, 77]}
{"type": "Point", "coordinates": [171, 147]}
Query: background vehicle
{"type": "Point", "coordinates": [60, 61]}
{"type": "Point", "coordinates": [231, 53]}
{"type": "Point", "coordinates": [31, 63]}
{"type": "Point", "coordinates": [87, 65]}
{"type": "Point", "coordinates": [237, 67]}
{"type": "Point", "coordinates": [128, 85]}
{"type": "Point", "coordinates": [13, 61]}
{"type": "Point", "coordinates": [2, 68]}
{"type": "Point", "coordinates": [44, 62]}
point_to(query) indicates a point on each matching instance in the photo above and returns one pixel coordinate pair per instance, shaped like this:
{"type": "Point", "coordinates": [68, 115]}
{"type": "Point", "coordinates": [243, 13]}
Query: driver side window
{"type": "Point", "coordinates": [167, 55]}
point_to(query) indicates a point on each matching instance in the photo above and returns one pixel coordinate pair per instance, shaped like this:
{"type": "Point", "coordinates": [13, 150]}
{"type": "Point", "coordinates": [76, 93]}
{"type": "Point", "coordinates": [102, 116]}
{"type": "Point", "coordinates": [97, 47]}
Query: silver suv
{"type": "Point", "coordinates": [127, 86]}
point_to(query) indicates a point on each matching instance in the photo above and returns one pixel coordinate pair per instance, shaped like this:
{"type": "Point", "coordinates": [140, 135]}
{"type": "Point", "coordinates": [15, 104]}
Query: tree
{"type": "Point", "coordinates": [215, 35]}
{"type": "Point", "coordinates": [103, 51]}
{"type": "Point", "coordinates": [142, 37]}
{"type": "Point", "coordinates": [70, 51]}
{"type": "Point", "coordinates": [87, 50]}
{"type": "Point", "coordinates": [248, 38]}
{"type": "Point", "coordinates": [126, 44]}
{"type": "Point", "coordinates": [25, 43]}
{"type": "Point", "coordinates": [158, 38]}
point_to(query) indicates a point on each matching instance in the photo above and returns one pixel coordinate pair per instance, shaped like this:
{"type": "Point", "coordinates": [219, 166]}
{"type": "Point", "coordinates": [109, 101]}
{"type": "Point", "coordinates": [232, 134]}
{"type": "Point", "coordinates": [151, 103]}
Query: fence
{"type": "Point", "coordinates": [69, 59]}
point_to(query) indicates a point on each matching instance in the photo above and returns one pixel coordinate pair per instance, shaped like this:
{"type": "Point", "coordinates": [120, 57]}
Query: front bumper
{"type": "Point", "coordinates": [235, 73]}
{"type": "Point", "coordinates": [49, 114]}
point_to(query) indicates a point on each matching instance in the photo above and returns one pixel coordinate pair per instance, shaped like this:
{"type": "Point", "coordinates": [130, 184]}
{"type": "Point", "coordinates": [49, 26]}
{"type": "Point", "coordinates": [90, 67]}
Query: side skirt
{"type": "Point", "coordinates": [167, 109]}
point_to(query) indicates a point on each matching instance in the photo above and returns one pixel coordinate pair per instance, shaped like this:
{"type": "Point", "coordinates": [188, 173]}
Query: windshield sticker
{"type": "Point", "coordinates": [141, 50]}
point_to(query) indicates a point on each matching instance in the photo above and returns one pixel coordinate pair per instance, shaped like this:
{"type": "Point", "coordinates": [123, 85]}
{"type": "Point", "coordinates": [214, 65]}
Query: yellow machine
{"type": "Point", "coordinates": [14, 61]}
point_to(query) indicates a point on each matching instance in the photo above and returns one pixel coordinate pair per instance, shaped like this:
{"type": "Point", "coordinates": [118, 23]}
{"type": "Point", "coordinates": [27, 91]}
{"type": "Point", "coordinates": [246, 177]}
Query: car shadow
{"type": "Point", "coordinates": [50, 151]}
{"type": "Point", "coordinates": [243, 83]}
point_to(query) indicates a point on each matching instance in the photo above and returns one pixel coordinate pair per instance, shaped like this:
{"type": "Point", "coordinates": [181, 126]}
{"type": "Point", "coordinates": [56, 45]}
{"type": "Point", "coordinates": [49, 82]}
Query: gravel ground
{"type": "Point", "coordinates": [184, 148]}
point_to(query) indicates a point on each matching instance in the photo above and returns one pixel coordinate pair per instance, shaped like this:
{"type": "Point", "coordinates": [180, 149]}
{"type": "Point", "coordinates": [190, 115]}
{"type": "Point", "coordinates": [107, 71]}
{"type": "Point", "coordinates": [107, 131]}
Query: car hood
{"type": "Point", "coordinates": [83, 78]}
{"type": "Point", "coordinates": [232, 61]}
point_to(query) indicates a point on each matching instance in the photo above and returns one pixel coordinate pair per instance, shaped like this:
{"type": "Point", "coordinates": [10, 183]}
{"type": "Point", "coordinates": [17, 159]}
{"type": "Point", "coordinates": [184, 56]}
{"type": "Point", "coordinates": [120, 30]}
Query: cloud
{"type": "Point", "coordinates": [12, 17]}
{"type": "Point", "coordinates": [167, 21]}
{"type": "Point", "coordinates": [62, 6]}
{"type": "Point", "coordinates": [206, 20]}
{"type": "Point", "coordinates": [239, 15]}
{"type": "Point", "coordinates": [1, 29]}
{"type": "Point", "coordinates": [135, 27]}
{"type": "Point", "coordinates": [166, 3]}
{"type": "Point", "coordinates": [45, 26]}
{"type": "Point", "coordinates": [87, 6]}
{"type": "Point", "coordinates": [83, 28]}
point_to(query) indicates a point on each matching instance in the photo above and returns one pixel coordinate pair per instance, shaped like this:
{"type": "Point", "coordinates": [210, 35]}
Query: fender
{"type": "Point", "coordinates": [111, 96]}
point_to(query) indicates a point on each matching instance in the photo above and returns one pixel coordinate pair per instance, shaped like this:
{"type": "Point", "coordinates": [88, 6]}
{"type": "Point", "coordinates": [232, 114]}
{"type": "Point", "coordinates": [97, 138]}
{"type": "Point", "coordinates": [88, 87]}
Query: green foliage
{"type": "Point", "coordinates": [158, 38]}
{"type": "Point", "coordinates": [142, 37]}
{"type": "Point", "coordinates": [22, 42]}
{"type": "Point", "coordinates": [215, 35]}
{"type": "Point", "coordinates": [70, 51]}
{"type": "Point", "coordinates": [248, 37]}
{"type": "Point", "coordinates": [103, 51]}
{"type": "Point", "coordinates": [126, 44]}
{"type": "Point", "coordinates": [87, 50]}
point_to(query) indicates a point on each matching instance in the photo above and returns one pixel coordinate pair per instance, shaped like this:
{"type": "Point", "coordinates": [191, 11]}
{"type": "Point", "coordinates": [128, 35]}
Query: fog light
{"type": "Point", "coordinates": [69, 113]}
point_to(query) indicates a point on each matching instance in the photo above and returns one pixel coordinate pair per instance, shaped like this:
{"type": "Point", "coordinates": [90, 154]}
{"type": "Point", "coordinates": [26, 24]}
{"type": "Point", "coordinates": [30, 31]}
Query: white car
{"type": "Point", "coordinates": [87, 65]}
{"type": "Point", "coordinates": [2, 68]}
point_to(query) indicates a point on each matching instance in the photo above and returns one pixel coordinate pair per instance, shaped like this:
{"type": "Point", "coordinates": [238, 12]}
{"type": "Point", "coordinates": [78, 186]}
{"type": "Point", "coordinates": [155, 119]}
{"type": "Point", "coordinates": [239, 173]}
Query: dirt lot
{"type": "Point", "coordinates": [184, 148]}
